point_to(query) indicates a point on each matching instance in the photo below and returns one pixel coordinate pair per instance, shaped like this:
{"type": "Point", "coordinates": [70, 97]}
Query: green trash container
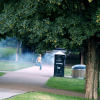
{"type": "Point", "coordinates": [59, 63]}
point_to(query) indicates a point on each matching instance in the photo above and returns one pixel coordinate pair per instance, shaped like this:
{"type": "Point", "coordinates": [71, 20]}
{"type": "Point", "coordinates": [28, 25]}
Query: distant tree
{"type": "Point", "coordinates": [9, 42]}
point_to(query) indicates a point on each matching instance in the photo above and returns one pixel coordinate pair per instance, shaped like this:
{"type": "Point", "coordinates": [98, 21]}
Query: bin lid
{"type": "Point", "coordinates": [59, 53]}
{"type": "Point", "coordinates": [59, 49]}
{"type": "Point", "coordinates": [79, 66]}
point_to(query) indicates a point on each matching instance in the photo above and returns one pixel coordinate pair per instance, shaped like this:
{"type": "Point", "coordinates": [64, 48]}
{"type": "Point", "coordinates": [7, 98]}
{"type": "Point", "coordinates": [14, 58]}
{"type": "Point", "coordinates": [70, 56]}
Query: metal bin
{"type": "Point", "coordinates": [78, 71]}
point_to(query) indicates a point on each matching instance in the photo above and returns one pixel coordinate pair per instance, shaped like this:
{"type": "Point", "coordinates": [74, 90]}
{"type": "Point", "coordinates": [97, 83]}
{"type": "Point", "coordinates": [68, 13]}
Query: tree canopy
{"type": "Point", "coordinates": [51, 22]}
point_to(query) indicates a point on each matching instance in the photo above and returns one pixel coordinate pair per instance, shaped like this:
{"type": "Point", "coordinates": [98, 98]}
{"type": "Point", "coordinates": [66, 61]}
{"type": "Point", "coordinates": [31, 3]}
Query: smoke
{"type": "Point", "coordinates": [27, 57]}
{"type": "Point", "coordinates": [6, 55]}
{"type": "Point", "coordinates": [48, 59]}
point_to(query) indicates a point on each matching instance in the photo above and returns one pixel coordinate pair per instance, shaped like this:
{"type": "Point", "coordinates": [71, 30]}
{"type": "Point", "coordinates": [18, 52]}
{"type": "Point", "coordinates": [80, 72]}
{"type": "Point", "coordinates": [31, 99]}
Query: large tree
{"type": "Point", "coordinates": [63, 23]}
{"type": "Point", "coordinates": [75, 23]}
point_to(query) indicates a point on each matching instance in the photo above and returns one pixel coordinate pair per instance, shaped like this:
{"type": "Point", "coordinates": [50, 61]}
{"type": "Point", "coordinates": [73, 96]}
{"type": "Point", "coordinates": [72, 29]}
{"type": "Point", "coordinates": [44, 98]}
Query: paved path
{"type": "Point", "coordinates": [29, 79]}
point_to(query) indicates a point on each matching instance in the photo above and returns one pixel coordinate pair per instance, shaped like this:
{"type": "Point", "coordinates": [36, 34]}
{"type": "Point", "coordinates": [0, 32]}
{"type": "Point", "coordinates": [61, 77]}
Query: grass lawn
{"type": "Point", "coordinates": [5, 52]}
{"type": "Point", "coordinates": [71, 84]}
{"type": "Point", "coordinates": [67, 71]}
{"type": "Point", "coordinates": [13, 66]}
{"type": "Point", "coordinates": [64, 83]}
{"type": "Point", "coordinates": [43, 96]}
{"type": "Point", "coordinates": [1, 73]}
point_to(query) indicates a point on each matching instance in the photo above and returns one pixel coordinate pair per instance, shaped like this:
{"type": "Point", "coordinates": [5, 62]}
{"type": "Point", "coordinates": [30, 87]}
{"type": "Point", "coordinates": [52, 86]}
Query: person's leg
{"type": "Point", "coordinates": [40, 66]}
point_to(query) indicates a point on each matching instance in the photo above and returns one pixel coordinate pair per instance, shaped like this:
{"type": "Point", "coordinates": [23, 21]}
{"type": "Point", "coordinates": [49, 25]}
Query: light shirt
{"type": "Point", "coordinates": [39, 59]}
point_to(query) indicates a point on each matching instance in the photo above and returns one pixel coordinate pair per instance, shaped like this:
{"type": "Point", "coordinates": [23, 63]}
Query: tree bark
{"type": "Point", "coordinates": [96, 75]}
{"type": "Point", "coordinates": [82, 57]}
{"type": "Point", "coordinates": [92, 64]}
{"type": "Point", "coordinates": [17, 53]}
{"type": "Point", "coordinates": [86, 75]}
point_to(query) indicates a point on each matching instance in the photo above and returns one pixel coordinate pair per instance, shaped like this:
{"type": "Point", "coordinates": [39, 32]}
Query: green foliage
{"type": "Point", "coordinates": [90, 0]}
{"type": "Point", "coordinates": [9, 42]}
{"type": "Point", "coordinates": [2, 73]}
{"type": "Point", "coordinates": [62, 23]}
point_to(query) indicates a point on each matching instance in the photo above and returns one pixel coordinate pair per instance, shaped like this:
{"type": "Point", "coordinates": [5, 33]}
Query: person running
{"type": "Point", "coordinates": [38, 61]}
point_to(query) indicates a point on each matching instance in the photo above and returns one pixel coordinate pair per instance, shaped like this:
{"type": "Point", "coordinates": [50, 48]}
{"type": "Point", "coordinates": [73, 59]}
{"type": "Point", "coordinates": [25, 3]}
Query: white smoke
{"type": "Point", "coordinates": [48, 59]}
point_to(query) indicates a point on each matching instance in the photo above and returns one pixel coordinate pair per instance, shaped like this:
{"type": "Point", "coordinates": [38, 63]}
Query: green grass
{"type": "Point", "coordinates": [43, 96]}
{"type": "Point", "coordinates": [13, 66]}
{"type": "Point", "coordinates": [67, 71]}
{"type": "Point", "coordinates": [64, 83]}
{"type": "Point", "coordinates": [6, 52]}
{"type": "Point", "coordinates": [1, 73]}
{"type": "Point", "coordinates": [71, 84]}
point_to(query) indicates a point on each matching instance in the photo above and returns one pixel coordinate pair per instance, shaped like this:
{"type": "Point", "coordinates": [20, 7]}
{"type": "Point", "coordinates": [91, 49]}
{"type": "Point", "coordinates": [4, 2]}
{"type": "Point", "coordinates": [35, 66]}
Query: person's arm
{"type": "Point", "coordinates": [36, 60]}
{"type": "Point", "coordinates": [41, 60]}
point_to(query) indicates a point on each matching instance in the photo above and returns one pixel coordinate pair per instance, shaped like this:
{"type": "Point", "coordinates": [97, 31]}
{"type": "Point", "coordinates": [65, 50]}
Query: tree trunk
{"type": "Point", "coordinates": [17, 53]}
{"type": "Point", "coordinates": [92, 64]}
{"type": "Point", "coordinates": [86, 75]}
{"type": "Point", "coordinates": [82, 57]}
{"type": "Point", "coordinates": [96, 73]}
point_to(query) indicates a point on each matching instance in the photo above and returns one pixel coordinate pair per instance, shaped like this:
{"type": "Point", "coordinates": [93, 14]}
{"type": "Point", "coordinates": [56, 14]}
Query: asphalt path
{"type": "Point", "coordinates": [21, 81]}
{"type": "Point", "coordinates": [29, 79]}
